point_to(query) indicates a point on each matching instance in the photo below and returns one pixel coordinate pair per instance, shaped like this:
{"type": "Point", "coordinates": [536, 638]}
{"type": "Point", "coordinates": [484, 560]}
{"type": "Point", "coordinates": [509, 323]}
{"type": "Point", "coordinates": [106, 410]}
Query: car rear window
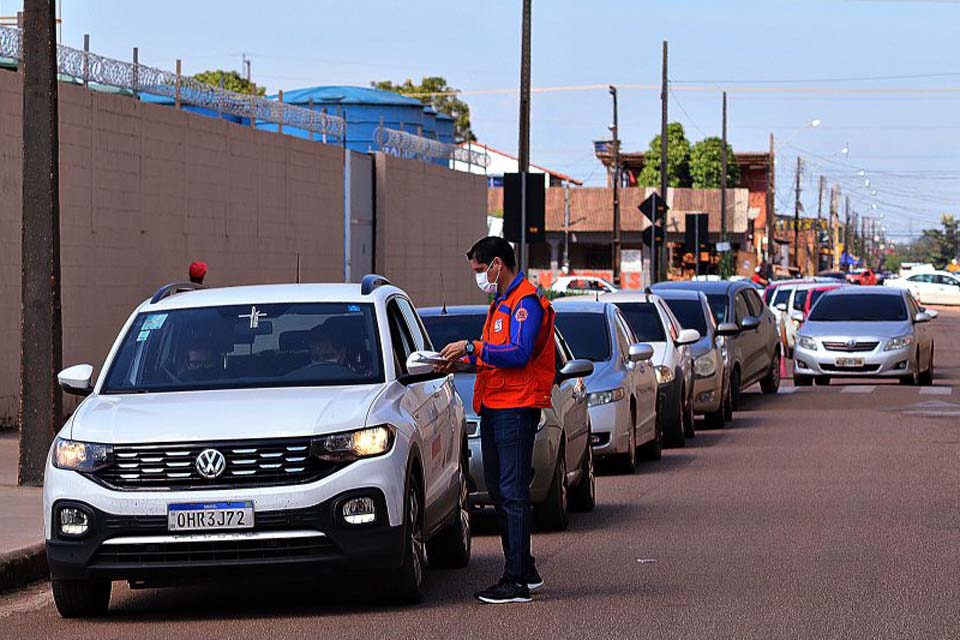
{"type": "Point", "coordinates": [586, 334]}
{"type": "Point", "coordinates": [444, 329]}
{"type": "Point", "coordinates": [644, 320]}
{"type": "Point", "coordinates": [690, 314]}
{"type": "Point", "coordinates": [860, 307]}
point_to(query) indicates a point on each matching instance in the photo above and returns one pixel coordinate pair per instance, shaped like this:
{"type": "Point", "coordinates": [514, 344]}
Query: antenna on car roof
{"type": "Point", "coordinates": [298, 267]}
{"type": "Point", "coordinates": [443, 295]}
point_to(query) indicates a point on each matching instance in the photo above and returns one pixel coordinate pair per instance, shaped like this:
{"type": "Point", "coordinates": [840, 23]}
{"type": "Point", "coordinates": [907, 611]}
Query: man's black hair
{"type": "Point", "coordinates": [486, 249]}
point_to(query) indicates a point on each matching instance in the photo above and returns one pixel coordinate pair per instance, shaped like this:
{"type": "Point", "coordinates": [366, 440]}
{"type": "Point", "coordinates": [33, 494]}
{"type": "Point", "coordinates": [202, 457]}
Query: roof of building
{"type": "Point", "coordinates": [347, 95]}
{"type": "Point", "coordinates": [560, 176]}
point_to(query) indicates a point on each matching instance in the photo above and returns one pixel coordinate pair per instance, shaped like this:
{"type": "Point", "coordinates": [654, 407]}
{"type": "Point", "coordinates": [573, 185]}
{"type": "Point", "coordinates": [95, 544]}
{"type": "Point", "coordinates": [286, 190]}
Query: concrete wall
{"type": "Point", "coordinates": [144, 191]}
{"type": "Point", "coordinates": [426, 218]}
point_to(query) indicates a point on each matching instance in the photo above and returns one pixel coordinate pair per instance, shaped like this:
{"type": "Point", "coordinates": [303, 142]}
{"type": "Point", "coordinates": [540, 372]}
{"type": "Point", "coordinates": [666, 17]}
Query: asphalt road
{"type": "Point", "coordinates": [822, 513]}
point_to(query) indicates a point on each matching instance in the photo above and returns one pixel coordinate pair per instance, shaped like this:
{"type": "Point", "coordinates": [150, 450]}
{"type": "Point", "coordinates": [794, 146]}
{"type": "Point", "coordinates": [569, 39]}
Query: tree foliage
{"type": "Point", "coordinates": [678, 160]}
{"type": "Point", "coordinates": [448, 104]}
{"type": "Point", "coordinates": [936, 246]}
{"type": "Point", "coordinates": [706, 165]}
{"type": "Point", "coordinates": [232, 81]}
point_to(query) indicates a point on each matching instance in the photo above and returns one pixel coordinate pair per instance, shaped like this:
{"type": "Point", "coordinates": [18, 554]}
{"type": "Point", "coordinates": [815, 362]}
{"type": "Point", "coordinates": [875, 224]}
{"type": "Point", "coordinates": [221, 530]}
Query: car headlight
{"type": "Point", "coordinates": [664, 374]}
{"type": "Point", "coordinates": [806, 342]}
{"type": "Point", "coordinates": [605, 397]}
{"type": "Point", "coordinates": [81, 456]}
{"type": "Point", "coordinates": [353, 445]}
{"type": "Point", "coordinates": [705, 366]}
{"type": "Point", "coordinates": [899, 343]}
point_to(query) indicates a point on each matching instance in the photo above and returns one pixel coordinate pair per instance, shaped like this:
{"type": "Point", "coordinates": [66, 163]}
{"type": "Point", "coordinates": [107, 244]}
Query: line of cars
{"type": "Point", "coordinates": [302, 429]}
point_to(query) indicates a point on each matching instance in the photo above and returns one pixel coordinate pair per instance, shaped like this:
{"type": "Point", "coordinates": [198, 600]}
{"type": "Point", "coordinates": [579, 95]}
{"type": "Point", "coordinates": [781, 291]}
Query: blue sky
{"type": "Point", "coordinates": [907, 143]}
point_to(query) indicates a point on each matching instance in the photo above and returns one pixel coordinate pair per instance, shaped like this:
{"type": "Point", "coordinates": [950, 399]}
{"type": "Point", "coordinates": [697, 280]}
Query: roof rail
{"type": "Point", "coordinates": [173, 288]}
{"type": "Point", "coordinates": [370, 282]}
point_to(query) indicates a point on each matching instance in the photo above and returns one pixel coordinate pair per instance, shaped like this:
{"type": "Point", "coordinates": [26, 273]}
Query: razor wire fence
{"type": "Point", "coordinates": [90, 68]}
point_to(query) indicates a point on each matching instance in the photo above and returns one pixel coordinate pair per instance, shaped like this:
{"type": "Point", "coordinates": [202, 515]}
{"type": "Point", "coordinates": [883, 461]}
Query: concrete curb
{"type": "Point", "coordinates": [23, 566]}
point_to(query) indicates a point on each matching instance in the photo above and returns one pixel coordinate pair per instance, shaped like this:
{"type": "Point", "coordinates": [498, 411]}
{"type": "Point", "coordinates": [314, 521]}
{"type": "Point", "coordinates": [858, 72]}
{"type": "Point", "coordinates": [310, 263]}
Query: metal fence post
{"type": "Point", "coordinates": [220, 98]}
{"type": "Point", "coordinates": [136, 72]}
{"type": "Point", "coordinates": [323, 135]}
{"type": "Point", "coordinates": [310, 107]}
{"type": "Point", "coordinates": [86, 59]}
{"type": "Point", "coordinates": [280, 119]}
{"type": "Point", "coordinates": [176, 102]}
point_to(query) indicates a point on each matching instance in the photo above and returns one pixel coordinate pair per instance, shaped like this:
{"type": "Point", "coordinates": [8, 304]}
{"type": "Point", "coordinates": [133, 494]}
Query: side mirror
{"type": "Point", "coordinates": [575, 369]}
{"type": "Point", "coordinates": [77, 380]}
{"type": "Point", "coordinates": [933, 313]}
{"type": "Point", "coordinates": [639, 352]}
{"type": "Point", "coordinates": [923, 316]}
{"type": "Point", "coordinates": [752, 322]}
{"type": "Point", "coordinates": [781, 307]}
{"type": "Point", "coordinates": [421, 362]}
{"type": "Point", "coordinates": [687, 336]}
{"type": "Point", "coordinates": [727, 329]}
{"type": "Point", "coordinates": [796, 316]}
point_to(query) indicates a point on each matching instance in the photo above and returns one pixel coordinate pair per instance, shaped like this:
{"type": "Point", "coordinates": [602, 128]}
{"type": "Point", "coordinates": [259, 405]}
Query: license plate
{"type": "Point", "coordinates": [210, 516]}
{"type": "Point", "coordinates": [849, 362]}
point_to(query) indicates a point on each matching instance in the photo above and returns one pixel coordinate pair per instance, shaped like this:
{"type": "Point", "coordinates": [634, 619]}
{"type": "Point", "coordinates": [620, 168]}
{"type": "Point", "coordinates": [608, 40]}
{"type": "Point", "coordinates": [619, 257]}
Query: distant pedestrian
{"type": "Point", "coordinates": [197, 272]}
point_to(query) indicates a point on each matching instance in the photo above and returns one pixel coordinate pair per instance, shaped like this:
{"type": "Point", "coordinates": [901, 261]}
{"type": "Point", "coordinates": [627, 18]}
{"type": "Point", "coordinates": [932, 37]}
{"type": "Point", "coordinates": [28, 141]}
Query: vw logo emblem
{"type": "Point", "coordinates": [851, 343]}
{"type": "Point", "coordinates": [211, 463]}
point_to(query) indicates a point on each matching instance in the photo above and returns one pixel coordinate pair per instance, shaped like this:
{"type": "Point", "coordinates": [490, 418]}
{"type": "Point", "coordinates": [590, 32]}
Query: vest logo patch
{"type": "Point", "coordinates": [520, 315]}
{"type": "Point", "coordinates": [498, 325]}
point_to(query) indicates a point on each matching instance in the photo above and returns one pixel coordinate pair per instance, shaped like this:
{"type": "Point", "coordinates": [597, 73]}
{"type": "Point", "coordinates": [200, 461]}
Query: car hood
{"type": "Point", "coordinates": [856, 329]}
{"type": "Point", "coordinates": [701, 346]}
{"type": "Point", "coordinates": [606, 375]}
{"type": "Point", "coordinates": [223, 414]}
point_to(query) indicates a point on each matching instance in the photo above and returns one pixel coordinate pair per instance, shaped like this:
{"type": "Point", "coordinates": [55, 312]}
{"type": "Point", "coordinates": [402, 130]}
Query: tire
{"type": "Point", "coordinates": [823, 381]}
{"type": "Point", "coordinates": [728, 403]}
{"type": "Point", "coordinates": [626, 463]}
{"type": "Point", "coordinates": [583, 497]}
{"type": "Point", "coordinates": [653, 450]}
{"type": "Point", "coordinates": [406, 582]}
{"type": "Point", "coordinates": [450, 548]}
{"type": "Point", "coordinates": [81, 598]}
{"type": "Point", "coordinates": [926, 378]}
{"type": "Point", "coordinates": [551, 514]}
{"type": "Point", "coordinates": [770, 383]}
{"type": "Point", "coordinates": [689, 429]}
{"type": "Point", "coordinates": [735, 390]}
{"type": "Point", "coordinates": [717, 419]}
{"type": "Point", "coordinates": [802, 380]}
{"type": "Point", "coordinates": [673, 430]}
{"type": "Point", "coordinates": [912, 379]}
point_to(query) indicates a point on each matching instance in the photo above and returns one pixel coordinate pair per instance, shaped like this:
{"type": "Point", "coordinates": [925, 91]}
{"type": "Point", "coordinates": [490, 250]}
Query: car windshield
{"type": "Point", "coordinates": [860, 307]}
{"type": "Point", "coordinates": [690, 314]}
{"type": "Point", "coordinates": [586, 334]}
{"type": "Point", "coordinates": [718, 304]}
{"type": "Point", "coordinates": [783, 295]}
{"type": "Point", "coordinates": [248, 346]}
{"type": "Point", "coordinates": [447, 328]}
{"type": "Point", "coordinates": [800, 298]}
{"type": "Point", "coordinates": [644, 320]}
{"type": "Point", "coordinates": [815, 295]}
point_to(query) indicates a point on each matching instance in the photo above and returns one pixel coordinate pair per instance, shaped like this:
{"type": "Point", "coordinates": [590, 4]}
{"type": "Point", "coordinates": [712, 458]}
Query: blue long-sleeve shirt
{"type": "Point", "coordinates": [523, 333]}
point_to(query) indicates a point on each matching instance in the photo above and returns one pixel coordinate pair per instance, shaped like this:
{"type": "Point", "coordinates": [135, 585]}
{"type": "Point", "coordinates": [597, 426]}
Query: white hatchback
{"type": "Point", "coordinates": [275, 428]}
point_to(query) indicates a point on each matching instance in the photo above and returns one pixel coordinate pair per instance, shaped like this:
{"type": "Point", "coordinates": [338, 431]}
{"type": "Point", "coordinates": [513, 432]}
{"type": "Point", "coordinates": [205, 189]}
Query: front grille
{"type": "Point", "coordinates": [280, 520]}
{"type": "Point", "coordinates": [213, 551]}
{"type": "Point", "coordinates": [249, 463]}
{"type": "Point", "coordinates": [854, 348]}
{"type": "Point", "coordinates": [867, 368]}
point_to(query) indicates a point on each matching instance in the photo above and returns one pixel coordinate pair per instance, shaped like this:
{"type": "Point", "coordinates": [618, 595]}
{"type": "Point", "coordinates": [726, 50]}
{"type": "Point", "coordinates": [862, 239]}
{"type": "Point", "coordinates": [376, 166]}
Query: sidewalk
{"type": "Point", "coordinates": [21, 525]}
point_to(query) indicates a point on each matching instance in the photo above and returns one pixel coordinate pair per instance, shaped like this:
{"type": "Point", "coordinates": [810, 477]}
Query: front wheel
{"type": "Point", "coordinates": [689, 430]}
{"type": "Point", "coordinates": [673, 428]}
{"type": "Point", "coordinates": [653, 450]}
{"type": "Point", "coordinates": [770, 383]}
{"type": "Point", "coordinates": [551, 514]}
{"type": "Point", "coordinates": [926, 378]}
{"type": "Point", "coordinates": [81, 598]}
{"type": "Point", "coordinates": [450, 548]}
{"type": "Point", "coordinates": [406, 582]}
{"type": "Point", "coordinates": [717, 419]}
{"type": "Point", "coordinates": [583, 497]}
{"type": "Point", "coordinates": [627, 462]}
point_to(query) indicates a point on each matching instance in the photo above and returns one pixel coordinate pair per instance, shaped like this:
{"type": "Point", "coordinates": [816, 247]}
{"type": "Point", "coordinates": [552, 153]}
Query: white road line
{"type": "Point", "coordinates": [936, 391]}
{"type": "Point", "coordinates": [858, 389]}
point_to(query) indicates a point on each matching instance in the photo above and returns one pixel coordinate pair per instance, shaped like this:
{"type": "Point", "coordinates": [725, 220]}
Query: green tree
{"type": "Point", "coordinates": [678, 160]}
{"type": "Point", "coordinates": [232, 81]}
{"type": "Point", "coordinates": [940, 246]}
{"type": "Point", "coordinates": [706, 165]}
{"type": "Point", "coordinates": [448, 104]}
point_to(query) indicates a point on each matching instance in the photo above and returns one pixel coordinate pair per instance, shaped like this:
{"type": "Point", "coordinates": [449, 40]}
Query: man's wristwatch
{"type": "Point", "coordinates": [470, 348]}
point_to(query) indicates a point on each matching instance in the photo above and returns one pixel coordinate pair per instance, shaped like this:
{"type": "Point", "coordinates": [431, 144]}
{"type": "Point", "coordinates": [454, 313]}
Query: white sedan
{"type": "Point", "coordinates": [931, 287]}
{"type": "Point", "coordinates": [577, 285]}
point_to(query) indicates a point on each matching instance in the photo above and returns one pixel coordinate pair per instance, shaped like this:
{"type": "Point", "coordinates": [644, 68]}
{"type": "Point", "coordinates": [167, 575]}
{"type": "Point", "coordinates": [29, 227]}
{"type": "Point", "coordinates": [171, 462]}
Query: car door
{"type": "Point", "coordinates": [751, 340]}
{"type": "Point", "coordinates": [920, 285]}
{"type": "Point", "coordinates": [421, 399]}
{"type": "Point", "coordinates": [951, 293]}
{"type": "Point", "coordinates": [767, 330]}
{"type": "Point", "coordinates": [640, 375]}
{"type": "Point", "coordinates": [570, 403]}
{"type": "Point", "coordinates": [946, 288]}
{"type": "Point", "coordinates": [921, 333]}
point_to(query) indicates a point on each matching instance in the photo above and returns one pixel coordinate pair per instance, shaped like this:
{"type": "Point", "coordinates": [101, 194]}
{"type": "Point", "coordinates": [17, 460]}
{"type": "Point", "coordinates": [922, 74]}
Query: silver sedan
{"type": "Point", "coordinates": [865, 332]}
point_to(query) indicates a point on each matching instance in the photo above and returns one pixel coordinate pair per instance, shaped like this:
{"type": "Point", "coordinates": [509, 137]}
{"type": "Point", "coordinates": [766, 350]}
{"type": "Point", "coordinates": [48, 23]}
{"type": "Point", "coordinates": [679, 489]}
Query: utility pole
{"type": "Point", "coordinates": [725, 259]}
{"type": "Point", "coordinates": [246, 66]}
{"type": "Point", "coordinates": [834, 227]}
{"type": "Point", "coordinates": [41, 343]}
{"type": "Point", "coordinates": [616, 192]}
{"type": "Point", "coordinates": [771, 200]}
{"type": "Point", "coordinates": [816, 236]}
{"type": "Point", "coordinates": [796, 216]}
{"type": "Point", "coordinates": [655, 252]}
{"type": "Point", "coordinates": [523, 164]}
{"type": "Point", "coordinates": [846, 225]}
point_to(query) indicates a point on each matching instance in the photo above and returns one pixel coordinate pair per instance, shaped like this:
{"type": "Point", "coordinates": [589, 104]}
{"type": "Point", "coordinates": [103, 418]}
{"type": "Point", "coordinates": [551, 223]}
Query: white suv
{"type": "Point", "coordinates": [281, 427]}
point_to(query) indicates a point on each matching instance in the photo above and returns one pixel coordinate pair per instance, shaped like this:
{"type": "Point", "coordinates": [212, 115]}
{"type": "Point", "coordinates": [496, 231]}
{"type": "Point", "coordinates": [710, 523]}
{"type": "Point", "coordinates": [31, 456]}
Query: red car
{"type": "Point", "coordinates": [865, 277]}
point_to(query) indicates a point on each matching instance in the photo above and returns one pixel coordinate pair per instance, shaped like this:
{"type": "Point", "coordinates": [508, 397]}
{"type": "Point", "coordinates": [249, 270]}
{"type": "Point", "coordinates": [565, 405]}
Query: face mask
{"type": "Point", "coordinates": [485, 285]}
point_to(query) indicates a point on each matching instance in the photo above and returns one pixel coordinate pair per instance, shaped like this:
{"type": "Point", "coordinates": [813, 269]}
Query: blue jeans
{"type": "Point", "coordinates": [506, 439]}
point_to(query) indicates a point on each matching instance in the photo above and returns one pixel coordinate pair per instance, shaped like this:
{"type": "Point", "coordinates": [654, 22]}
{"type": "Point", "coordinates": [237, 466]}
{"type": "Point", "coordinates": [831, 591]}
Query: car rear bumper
{"type": "Point", "coordinates": [882, 364]}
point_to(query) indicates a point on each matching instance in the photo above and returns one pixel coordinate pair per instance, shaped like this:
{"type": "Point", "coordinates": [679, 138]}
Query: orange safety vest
{"type": "Point", "coordinates": [530, 386]}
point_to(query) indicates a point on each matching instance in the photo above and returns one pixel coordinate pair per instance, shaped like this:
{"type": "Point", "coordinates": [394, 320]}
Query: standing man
{"type": "Point", "coordinates": [516, 368]}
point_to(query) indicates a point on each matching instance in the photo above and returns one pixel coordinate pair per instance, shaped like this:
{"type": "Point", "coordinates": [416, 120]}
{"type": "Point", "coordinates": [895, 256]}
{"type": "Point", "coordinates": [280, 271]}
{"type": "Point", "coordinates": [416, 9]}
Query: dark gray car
{"type": "Point", "coordinates": [755, 351]}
